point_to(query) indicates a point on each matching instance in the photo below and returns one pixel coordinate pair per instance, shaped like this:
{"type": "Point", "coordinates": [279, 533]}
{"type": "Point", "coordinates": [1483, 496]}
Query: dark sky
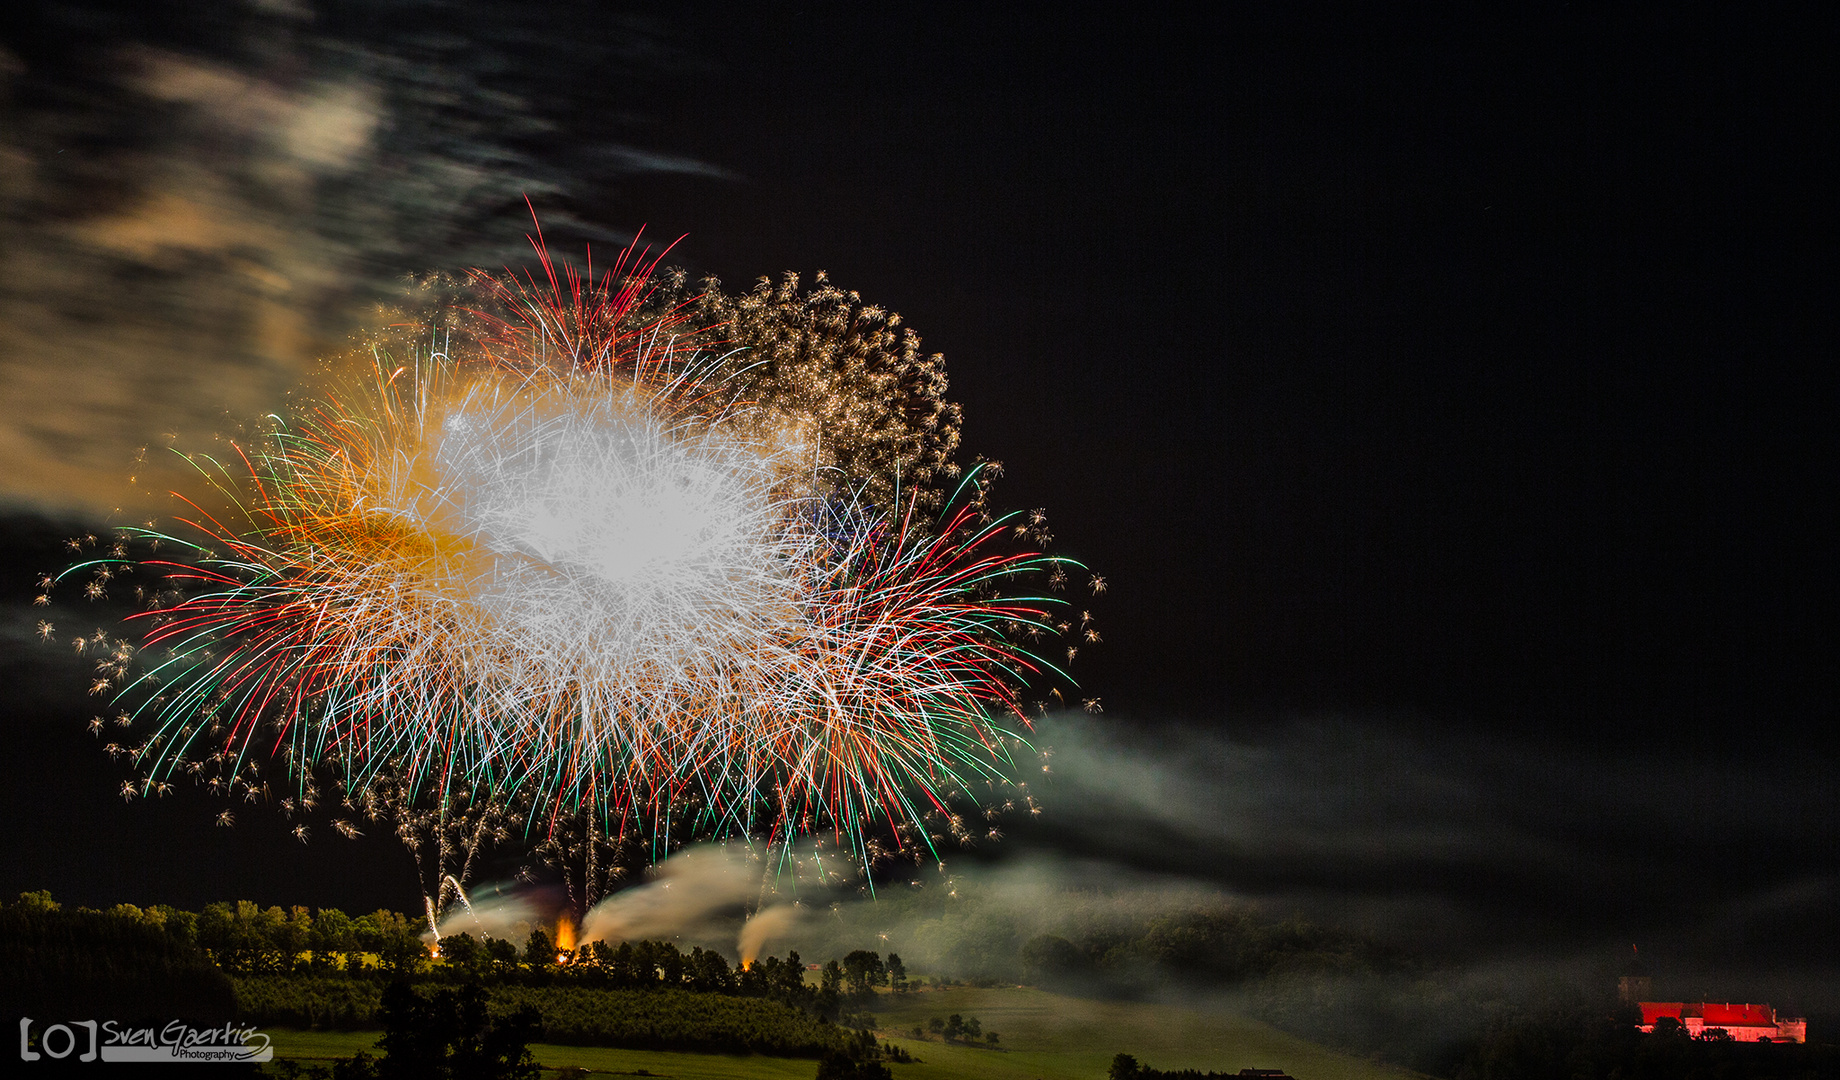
{"type": "Point", "coordinates": [1442, 370]}
{"type": "Point", "coordinates": [1403, 361]}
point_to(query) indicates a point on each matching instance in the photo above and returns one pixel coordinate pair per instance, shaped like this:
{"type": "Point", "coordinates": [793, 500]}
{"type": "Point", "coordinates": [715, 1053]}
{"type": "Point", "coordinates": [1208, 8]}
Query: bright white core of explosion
{"type": "Point", "coordinates": [628, 556]}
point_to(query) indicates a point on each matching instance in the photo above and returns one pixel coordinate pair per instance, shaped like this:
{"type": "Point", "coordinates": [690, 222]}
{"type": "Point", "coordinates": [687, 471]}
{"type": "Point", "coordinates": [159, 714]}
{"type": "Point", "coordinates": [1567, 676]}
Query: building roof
{"type": "Point", "coordinates": [1712, 1014]}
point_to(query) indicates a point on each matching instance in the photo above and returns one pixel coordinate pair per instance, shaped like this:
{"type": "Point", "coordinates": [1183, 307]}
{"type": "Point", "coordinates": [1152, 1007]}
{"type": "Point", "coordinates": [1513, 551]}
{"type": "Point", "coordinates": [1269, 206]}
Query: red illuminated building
{"type": "Point", "coordinates": [1744, 1023]}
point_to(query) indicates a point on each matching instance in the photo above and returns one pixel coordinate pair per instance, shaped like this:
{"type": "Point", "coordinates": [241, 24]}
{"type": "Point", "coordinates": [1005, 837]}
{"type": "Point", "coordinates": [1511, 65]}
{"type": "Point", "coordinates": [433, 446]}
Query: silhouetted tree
{"type": "Point", "coordinates": [540, 951]}
{"type": "Point", "coordinates": [452, 1036]}
{"type": "Point", "coordinates": [503, 955]}
{"type": "Point", "coordinates": [403, 956]}
{"type": "Point", "coordinates": [863, 970]}
{"type": "Point", "coordinates": [708, 972]}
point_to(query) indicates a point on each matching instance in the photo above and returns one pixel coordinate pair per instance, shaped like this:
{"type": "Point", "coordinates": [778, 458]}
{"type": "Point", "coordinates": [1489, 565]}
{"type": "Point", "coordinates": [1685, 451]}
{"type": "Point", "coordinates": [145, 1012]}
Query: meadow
{"type": "Point", "coordinates": [1044, 1036]}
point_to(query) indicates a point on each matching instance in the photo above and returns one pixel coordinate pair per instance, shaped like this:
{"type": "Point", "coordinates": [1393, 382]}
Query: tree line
{"type": "Point", "coordinates": [1126, 1067]}
{"type": "Point", "coordinates": [84, 962]}
{"type": "Point", "coordinates": [657, 1019]}
{"type": "Point", "coordinates": [327, 970]}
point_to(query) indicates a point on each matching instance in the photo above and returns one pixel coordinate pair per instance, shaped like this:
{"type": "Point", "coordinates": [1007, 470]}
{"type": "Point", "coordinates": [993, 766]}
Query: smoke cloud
{"type": "Point", "coordinates": [197, 213]}
{"type": "Point", "coordinates": [685, 893]}
{"type": "Point", "coordinates": [496, 911]}
{"type": "Point", "coordinates": [1458, 842]}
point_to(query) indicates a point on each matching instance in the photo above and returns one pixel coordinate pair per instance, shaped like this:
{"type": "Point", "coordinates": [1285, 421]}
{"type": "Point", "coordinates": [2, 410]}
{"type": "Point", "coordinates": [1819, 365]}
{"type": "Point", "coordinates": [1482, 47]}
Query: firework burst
{"type": "Point", "coordinates": [590, 576]}
{"type": "Point", "coordinates": [567, 590]}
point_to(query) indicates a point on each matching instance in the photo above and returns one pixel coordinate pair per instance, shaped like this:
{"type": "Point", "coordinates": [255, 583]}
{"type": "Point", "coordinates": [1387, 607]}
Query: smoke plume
{"type": "Point", "coordinates": [507, 913]}
{"type": "Point", "coordinates": [774, 922]}
{"type": "Point", "coordinates": [685, 892]}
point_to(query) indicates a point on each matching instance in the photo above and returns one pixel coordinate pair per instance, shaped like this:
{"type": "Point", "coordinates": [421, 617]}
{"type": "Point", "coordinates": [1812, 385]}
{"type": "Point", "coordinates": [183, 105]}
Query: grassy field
{"type": "Point", "coordinates": [1044, 1037]}
{"type": "Point", "coordinates": [326, 1045]}
{"type": "Point", "coordinates": [1061, 1038]}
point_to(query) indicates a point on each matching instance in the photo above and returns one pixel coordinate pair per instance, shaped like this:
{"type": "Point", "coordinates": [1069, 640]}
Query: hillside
{"type": "Point", "coordinates": [1044, 1037]}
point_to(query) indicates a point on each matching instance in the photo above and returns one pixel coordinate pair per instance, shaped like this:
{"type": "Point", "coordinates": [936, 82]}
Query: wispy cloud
{"type": "Point", "coordinates": [189, 232]}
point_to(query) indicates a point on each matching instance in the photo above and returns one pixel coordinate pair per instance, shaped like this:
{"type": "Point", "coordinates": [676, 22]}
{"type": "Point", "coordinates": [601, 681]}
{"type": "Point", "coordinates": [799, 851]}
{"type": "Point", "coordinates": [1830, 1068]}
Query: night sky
{"type": "Point", "coordinates": [1443, 394]}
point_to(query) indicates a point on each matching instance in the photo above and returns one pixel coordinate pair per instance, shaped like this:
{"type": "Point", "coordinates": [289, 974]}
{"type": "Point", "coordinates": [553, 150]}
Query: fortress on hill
{"type": "Point", "coordinates": [1744, 1023]}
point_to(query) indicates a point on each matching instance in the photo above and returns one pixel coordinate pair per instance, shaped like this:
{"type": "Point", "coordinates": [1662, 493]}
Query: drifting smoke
{"type": "Point", "coordinates": [1509, 866]}
{"type": "Point", "coordinates": [494, 911]}
{"type": "Point", "coordinates": [777, 921]}
{"type": "Point", "coordinates": [1509, 863]}
{"type": "Point", "coordinates": [1459, 842]}
{"type": "Point", "coordinates": [686, 892]}
{"type": "Point", "coordinates": [699, 893]}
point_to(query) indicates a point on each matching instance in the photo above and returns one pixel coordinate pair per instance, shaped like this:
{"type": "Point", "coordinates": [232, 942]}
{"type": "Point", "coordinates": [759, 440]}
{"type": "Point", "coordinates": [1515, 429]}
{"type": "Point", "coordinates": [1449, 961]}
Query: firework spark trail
{"type": "Point", "coordinates": [575, 322]}
{"type": "Point", "coordinates": [901, 662]}
{"type": "Point", "coordinates": [594, 592]}
{"type": "Point", "coordinates": [497, 565]}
